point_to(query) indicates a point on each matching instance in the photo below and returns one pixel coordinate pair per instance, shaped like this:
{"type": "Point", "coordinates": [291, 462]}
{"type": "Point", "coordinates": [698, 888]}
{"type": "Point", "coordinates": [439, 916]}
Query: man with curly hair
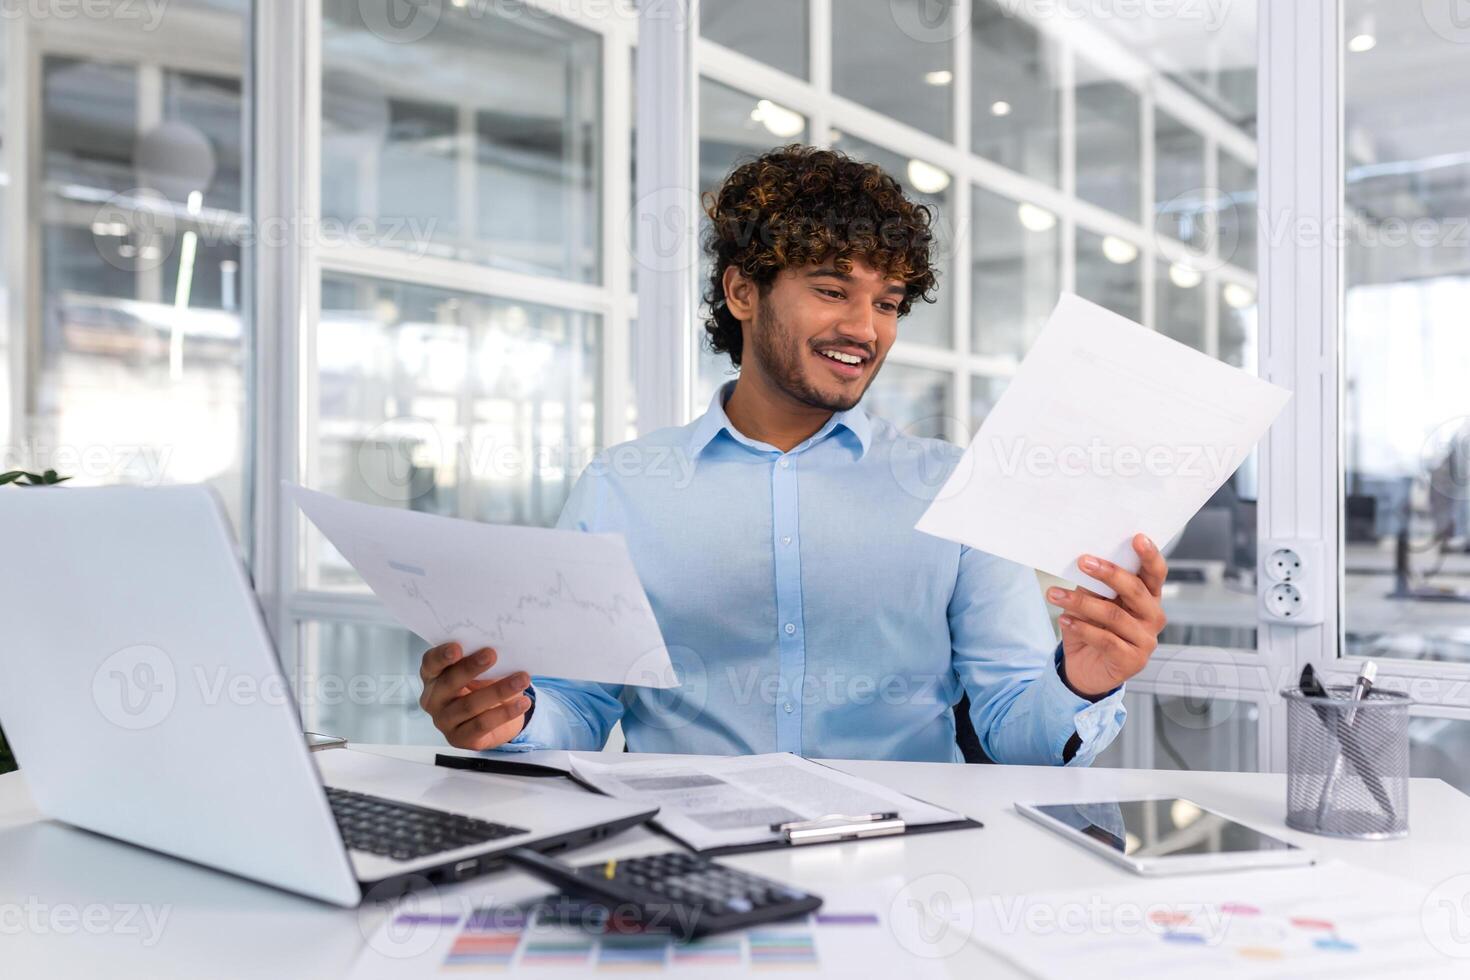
{"type": "Point", "coordinates": [775, 534]}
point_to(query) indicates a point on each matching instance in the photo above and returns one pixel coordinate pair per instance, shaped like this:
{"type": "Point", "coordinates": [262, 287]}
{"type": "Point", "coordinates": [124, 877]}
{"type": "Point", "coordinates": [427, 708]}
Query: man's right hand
{"type": "Point", "coordinates": [472, 713]}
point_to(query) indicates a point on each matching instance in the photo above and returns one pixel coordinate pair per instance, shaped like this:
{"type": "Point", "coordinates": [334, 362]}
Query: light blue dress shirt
{"type": "Point", "coordinates": [803, 613]}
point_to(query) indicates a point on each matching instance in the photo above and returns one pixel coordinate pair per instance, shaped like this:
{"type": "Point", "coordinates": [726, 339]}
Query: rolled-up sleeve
{"type": "Point", "coordinates": [1005, 654]}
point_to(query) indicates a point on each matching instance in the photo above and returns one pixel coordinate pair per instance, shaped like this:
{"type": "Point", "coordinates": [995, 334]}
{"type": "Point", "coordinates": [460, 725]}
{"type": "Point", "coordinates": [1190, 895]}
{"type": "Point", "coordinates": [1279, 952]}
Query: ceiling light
{"type": "Point", "coordinates": [778, 119]}
{"type": "Point", "coordinates": [1118, 251]}
{"type": "Point", "coordinates": [941, 77]}
{"type": "Point", "coordinates": [1001, 108]}
{"type": "Point", "coordinates": [1238, 297]}
{"type": "Point", "coordinates": [927, 178]}
{"type": "Point", "coordinates": [1362, 43]}
{"type": "Point", "coordinates": [1035, 218]}
{"type": "Point", "coordinates": [1185, 276]}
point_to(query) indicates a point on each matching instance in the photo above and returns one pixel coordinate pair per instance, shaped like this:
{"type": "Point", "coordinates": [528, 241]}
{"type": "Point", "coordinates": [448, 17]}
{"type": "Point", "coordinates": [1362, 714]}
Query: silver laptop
{"type": "Point", "coordinates": [142, 695]}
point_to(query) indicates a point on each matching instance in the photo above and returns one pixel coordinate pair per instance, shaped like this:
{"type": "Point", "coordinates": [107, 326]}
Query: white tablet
{"type": "Point", "coordinates": [1166, 835]}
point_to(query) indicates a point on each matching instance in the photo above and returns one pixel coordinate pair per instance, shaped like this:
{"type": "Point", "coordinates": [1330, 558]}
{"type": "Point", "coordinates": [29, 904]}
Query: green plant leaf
{"type": "Point", "coordinates": [22, 478]}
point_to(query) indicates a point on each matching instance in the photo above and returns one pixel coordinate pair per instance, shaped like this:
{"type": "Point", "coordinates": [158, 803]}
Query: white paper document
{"type": "Point", "coordinates": [552, 603]}
{"type": "Point", "coordinates": [1107, 429]}
{"type": "Point", "coordinates": [716, 801]}
{"type": "Point", "coordinates": [1331, 920]}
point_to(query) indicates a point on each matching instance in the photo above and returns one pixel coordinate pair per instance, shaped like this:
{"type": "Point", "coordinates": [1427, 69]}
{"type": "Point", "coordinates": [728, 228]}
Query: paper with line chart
{"type": "Point", "coordinates": [552, 603]}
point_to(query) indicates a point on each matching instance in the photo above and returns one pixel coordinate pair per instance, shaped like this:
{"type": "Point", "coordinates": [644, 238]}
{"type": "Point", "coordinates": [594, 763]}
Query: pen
{"type": "Point", "coordinates": [1363, 686]}
{"type": "Point", "coordinates": [1312, 687]}
{"type": "Point", "coordinates": [834, 817]}
{"type": "Point", "coordinates": [502, 767]}
{"type": "Point", "coordinates": [505, 767]}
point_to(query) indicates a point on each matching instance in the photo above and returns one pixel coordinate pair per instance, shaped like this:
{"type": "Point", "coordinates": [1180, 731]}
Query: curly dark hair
{"type": "Point", "coordinates": [796, 205]}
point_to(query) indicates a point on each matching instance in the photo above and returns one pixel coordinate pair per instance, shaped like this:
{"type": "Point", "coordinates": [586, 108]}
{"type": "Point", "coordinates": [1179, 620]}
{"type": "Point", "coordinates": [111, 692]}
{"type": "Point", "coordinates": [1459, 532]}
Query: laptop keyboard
{"type": "Point", "coordinates": [405, 832]}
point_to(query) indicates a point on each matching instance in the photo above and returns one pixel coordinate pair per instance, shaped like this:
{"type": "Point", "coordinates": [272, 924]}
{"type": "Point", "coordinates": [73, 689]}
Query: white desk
{"type": "Point", "coordinates": [221, 926]}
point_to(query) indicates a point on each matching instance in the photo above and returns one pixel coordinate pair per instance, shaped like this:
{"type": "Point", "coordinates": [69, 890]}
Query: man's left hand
{"type": "Point", "coordinates": [1107, 641]}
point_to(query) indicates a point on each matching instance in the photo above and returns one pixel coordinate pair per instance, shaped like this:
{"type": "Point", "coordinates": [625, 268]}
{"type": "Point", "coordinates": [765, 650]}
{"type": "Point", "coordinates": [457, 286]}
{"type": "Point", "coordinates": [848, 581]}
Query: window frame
{"type": "Point", "coordinates": [1300, 100]}
{"type": "Point", "coordinates": [286, 49]}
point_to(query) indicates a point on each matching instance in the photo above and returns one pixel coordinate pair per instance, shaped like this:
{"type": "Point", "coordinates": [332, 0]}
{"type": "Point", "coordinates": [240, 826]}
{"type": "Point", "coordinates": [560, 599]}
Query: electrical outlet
{"type": "Point", "coordinates": [1284, 600]}
{"type": "Point", "coordinates": [1283, 565]}
{"type": "Point", "coordinates": [1292, 580]}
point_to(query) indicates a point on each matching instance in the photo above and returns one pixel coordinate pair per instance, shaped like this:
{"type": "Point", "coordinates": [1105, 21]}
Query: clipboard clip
{"type": "Point", "coordinates": [839, 826]}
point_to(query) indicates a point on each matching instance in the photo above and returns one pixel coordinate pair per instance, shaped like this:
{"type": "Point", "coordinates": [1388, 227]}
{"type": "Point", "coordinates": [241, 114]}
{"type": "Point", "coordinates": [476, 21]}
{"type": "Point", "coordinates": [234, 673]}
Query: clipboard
{"type": "Point", "coordinates": [827, 829]}
{"type": "Point", "coordinates": [833, 829]}
{"type": "Point", "coordinates": [964, 823]}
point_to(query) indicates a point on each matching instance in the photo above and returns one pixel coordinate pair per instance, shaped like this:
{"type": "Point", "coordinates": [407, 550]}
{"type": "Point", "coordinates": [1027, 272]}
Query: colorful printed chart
{"type": "Point", "coordinates": [1330, 920]}
{"type": "Point", "coordinates": [1249, 932]}
{"type": "Point", "coordinates": [858, 931]}
{"type": "Point", "coordinates": [543, 939]}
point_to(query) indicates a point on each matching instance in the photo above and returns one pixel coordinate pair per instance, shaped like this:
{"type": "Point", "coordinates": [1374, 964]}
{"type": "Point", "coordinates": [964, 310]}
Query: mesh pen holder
{"type": "Point", "coordinates": [1347, 764]}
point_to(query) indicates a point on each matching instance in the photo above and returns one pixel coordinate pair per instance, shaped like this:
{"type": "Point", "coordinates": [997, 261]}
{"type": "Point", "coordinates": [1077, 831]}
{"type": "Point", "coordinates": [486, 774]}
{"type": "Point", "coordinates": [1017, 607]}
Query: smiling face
{"type": "Point", "coordinates": [819, 335]}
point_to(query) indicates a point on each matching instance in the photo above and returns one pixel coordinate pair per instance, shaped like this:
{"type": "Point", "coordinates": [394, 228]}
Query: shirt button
{"type": "Point", "coordinates": [789, 707]}
{"type": "Point", "coordinates": [785, 463]}
{"type": "Point", "coordinates": [786, 539]}
{"type": "Point", "coordinates": [790, 628]}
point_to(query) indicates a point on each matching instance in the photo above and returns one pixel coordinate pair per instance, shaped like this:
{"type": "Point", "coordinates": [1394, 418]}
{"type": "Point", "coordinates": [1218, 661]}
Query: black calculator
{"type": "Point", "coordinates": [679, 894]}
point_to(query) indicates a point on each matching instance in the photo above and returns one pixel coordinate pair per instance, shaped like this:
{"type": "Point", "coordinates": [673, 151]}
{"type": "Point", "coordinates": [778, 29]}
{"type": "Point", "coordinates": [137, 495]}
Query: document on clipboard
{"type": "Point", "coordinates": [719, 805]}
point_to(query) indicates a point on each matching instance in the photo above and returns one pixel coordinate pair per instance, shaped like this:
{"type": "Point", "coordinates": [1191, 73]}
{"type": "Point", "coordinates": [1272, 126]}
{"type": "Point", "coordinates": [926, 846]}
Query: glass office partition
{"type": "Point", "coordinates": [1406, 353]}
{"type": "Point", "coordinates": [134, 346]}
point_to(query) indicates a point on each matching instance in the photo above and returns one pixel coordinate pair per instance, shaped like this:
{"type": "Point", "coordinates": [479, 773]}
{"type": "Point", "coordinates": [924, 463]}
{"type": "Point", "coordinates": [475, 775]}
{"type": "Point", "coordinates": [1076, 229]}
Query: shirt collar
{"type": "Point", "coordinates": [714, 421]}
